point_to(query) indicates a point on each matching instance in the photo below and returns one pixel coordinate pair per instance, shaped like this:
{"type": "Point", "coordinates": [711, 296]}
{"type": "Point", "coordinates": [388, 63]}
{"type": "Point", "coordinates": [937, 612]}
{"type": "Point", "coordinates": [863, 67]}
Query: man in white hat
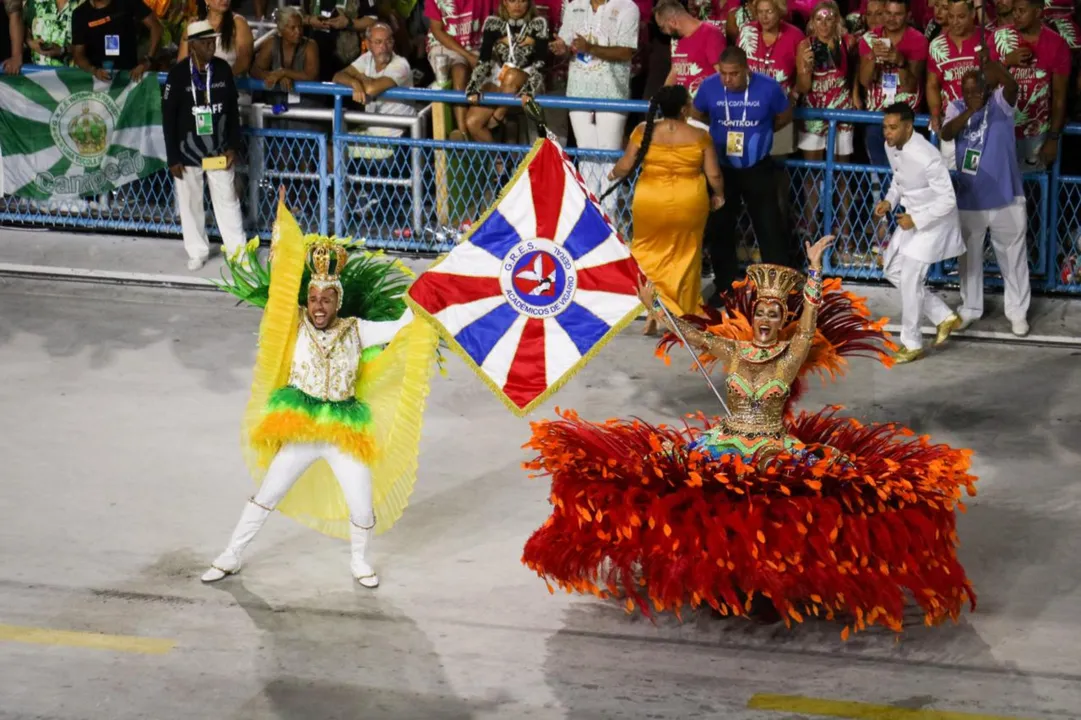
{"type": "Point", "coordinates": [201, 123]}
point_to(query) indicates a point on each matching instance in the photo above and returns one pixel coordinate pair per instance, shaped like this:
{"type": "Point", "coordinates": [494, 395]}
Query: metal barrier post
{"type": "Point", "coordinates": [339, 186]}
{"type": "Point", "coordinates": [417, 132]}
{"type": "Point", "coordinates": [1043, 235]}
{"type": "Point", "coordinates": [256, 164]}
{"type": "Point", "coordinates": [1052, 239]}
{"type": "Point", "coordinates": [324, 182]}
{"type": "Point", "coordinates": [827, 183]}
{"type": "Point", "coordinates": [337, 126]}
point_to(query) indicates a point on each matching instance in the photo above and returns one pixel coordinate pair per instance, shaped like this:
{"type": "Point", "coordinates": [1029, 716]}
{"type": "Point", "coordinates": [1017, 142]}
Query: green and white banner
{"type": "Point", "coordinates": [64, 134]}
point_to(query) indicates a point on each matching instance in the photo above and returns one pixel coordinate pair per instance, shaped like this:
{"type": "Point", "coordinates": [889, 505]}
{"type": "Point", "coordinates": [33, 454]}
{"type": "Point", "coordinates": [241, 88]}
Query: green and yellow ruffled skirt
{"type": "Point", "coordinates": [293, 416]}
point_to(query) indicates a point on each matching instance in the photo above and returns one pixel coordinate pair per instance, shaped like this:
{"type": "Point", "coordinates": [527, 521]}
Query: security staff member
{"type": "Point", "coordinates": [744, 110]}
{"type": "Point", "coordinates": [201, 123]}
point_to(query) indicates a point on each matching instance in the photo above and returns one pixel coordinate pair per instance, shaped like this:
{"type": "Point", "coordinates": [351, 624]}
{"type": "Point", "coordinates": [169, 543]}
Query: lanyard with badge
{"type": "Point", "coordinates": [204, 116]}
{"type": "Point", "coordinates": [970, 163]}
{"type": "Point", "coordinates": [511, 44]}
{"type": "Point", "coordinates": [891, 78]}
{"type": "Point", "coordinates": [734, 140]}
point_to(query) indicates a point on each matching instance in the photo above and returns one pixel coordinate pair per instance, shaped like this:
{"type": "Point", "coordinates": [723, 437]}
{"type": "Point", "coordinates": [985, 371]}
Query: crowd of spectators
{"type": "Point", "coordinates": [825, 54]}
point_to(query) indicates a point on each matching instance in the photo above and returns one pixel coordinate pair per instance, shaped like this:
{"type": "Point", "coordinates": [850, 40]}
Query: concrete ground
{"type": "Point", "coordinates": [122, 478]}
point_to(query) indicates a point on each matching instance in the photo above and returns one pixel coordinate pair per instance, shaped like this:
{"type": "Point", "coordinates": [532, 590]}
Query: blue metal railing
{"type": "Point", "coordinates": [413, 194]}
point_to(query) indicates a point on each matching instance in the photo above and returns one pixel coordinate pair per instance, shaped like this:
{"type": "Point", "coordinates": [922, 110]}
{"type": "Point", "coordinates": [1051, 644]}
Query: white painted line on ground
{"type": "Point", "coordinates": [115, 276]}
{"type": "Point", "coordinates": [1064, 340]}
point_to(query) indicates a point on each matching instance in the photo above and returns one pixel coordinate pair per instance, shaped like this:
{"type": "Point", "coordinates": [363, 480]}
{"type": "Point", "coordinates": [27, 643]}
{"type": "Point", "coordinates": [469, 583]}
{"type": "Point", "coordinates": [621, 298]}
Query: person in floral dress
{"type": "Point", "coordinates": [49, 25]}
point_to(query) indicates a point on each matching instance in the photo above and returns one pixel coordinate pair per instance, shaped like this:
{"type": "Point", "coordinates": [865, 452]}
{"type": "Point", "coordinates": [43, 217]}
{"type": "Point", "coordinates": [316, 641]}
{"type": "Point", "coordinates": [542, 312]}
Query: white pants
{"type": "Point", "coordinates": [189, 195]}
{"type": "Point", "coordinates": [599, 131]}
{"type": "Point", "coordinates": [1008, 227]}
{"type": "Point", "coordinates": [910, 277]}
{"type": "Point", "coordinates": [293, 459]}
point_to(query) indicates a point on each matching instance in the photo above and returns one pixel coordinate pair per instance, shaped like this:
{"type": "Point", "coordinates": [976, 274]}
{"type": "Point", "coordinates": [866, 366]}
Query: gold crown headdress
{"type": "Point", "coordinates": [774, 282]}
{"type": "Point", "coordinates": [326, 259]}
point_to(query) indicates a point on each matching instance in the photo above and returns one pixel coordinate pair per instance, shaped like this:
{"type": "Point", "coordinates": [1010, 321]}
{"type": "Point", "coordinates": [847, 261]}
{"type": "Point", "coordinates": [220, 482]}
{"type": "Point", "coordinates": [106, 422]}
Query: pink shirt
{"type": "Point", "coordinates": [949, 63]}
{"type": "Point", "coordinates": [1050, 56]}
{"type": "Point", "coordinates": [778, 60]}
{"type": "Point", "coordinates": [913, 48]}
{"type": "Point", "coordinates": [462, 19]}
{"type": "Point", "coordinates": [694, 57]}
{"type": "Point", "coordinates": [1059, 14]}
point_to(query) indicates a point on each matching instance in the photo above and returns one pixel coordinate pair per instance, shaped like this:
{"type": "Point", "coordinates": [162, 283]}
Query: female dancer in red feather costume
{"type": "Point", "coordinates": [764, 511]}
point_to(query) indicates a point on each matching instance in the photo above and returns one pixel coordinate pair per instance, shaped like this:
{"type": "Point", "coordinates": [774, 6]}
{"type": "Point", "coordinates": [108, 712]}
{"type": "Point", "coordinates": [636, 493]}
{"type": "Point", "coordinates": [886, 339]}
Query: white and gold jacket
{"type": "Point", "coordinates": [325, 362]}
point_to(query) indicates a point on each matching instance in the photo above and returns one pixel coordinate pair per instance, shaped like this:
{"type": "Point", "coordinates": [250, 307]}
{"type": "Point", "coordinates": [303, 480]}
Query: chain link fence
{"type": "Point", "coordinates": [415, 195]}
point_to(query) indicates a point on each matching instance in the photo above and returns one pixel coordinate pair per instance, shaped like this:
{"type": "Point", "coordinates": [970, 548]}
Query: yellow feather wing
{"type": "Point", "coordinates": [277, 333]}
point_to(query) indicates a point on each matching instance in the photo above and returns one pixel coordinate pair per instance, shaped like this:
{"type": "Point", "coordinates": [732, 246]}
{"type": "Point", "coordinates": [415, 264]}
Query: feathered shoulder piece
{"type": "Point", "coordinates": [844, 329]}
{"type": "Point", "coordinates": [373, 284]}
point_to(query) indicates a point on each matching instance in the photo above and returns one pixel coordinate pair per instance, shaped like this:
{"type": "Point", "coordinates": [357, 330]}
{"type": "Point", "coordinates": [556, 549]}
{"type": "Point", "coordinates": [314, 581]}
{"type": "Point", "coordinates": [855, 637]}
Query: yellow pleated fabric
{"type": "Point", "coordinates": [277, 334]}
{"type": "Point", "coordinates": [395, 386]}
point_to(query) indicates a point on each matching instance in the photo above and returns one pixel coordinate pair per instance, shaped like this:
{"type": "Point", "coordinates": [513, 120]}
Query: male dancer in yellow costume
{"type": "Point", "coordinates": [332, 433]}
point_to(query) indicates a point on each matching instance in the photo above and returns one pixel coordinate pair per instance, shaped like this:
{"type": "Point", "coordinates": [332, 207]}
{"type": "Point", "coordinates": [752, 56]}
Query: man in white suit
{"type": "Point", "coordinates": [928, 231]}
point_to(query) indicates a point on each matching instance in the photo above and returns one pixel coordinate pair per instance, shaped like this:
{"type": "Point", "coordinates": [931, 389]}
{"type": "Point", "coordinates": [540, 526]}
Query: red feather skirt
{"type": "Point", "coordinates": [638, 515]}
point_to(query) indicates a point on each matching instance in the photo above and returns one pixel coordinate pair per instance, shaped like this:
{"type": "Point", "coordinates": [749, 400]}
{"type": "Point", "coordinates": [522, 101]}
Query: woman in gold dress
{"type": "Point", "coordinates": [670, 199]}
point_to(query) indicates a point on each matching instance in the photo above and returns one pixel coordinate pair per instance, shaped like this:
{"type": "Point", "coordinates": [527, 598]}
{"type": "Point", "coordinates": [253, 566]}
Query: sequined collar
{"type": "Point", "coordinates": [326, 340]}
{"type": "Point", "coordinates": [755, 354]}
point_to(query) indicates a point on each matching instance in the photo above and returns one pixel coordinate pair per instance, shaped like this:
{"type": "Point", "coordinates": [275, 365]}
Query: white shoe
{"type": "Point", "coordinates": [966, 322]}
{"type": "Point", "coordinates": [1019, 327]}
{"type": "Point", "coordinates": [228, 563]}
{"type": "Point", "coordinates": [196, 263]}
{"type": "Point", "coordinates": [363, 573]}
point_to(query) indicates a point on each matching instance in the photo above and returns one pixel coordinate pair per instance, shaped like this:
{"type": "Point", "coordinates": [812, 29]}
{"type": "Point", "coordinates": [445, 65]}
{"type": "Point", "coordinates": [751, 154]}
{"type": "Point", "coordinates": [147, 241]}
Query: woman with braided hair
{"type": "Point", "coordinates": [670, 199]}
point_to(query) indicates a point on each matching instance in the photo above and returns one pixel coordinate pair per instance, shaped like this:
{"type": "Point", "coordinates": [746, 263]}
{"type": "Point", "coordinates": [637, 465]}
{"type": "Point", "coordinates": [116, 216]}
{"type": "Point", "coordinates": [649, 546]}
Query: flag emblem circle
{"type": "Point", "coordinates": [538, 278]}
{"type": "Point", "coordinates": [81, 126]}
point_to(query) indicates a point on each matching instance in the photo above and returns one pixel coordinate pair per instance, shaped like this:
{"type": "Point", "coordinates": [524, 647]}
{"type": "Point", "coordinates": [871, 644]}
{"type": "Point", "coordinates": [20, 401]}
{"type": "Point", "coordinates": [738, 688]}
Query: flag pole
{"type": "Point", "coordinates": [702, 368]}
{"type": "Point", "coordinates": [536, 113]}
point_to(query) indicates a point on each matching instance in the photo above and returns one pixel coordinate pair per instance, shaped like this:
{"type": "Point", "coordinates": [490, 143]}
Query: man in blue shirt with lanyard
{"type": "Point", "coordinates": [989, 191]}
{"type": "Point", "coordinates": [744, 109]}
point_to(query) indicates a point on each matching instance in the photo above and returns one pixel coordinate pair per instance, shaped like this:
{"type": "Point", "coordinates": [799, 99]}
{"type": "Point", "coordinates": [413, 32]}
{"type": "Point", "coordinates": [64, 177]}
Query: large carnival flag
{"type": "Point", "coordinates": [538, 286]}
{"type": "Point", "coordinates": [65, 134]}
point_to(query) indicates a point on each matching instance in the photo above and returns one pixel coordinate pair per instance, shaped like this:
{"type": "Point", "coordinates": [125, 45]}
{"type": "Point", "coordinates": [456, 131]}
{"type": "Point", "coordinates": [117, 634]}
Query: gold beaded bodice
{"type": "Point", "coordinates": [758, 379]}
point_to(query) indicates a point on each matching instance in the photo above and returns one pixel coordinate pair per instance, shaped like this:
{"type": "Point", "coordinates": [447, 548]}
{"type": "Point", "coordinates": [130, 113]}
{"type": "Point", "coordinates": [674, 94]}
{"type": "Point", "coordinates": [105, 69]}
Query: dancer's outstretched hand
{"type": "Point", "coordinates": [815, 252]}
{"type": "Point", "coordinates": [646, 292]}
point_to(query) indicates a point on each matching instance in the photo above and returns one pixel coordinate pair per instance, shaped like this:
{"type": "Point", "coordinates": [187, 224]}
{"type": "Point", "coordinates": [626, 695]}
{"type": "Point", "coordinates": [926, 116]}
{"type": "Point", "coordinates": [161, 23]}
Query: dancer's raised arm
{"type": "Point", "coordinates": [721, 348]}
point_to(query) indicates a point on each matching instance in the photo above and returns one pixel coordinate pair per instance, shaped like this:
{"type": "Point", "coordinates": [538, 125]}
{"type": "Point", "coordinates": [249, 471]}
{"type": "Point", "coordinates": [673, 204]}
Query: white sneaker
{"type": "Point", "coordinates": [1019, 327]}
{"type": "Point", "coordinates": [196, 263]}
{"type": "Point", "coordinates": [966, 322]}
